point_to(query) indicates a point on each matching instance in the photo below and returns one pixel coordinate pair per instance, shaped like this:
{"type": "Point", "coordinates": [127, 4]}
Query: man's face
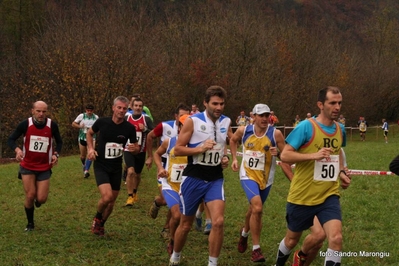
{"type": "Point", "coordinates": [242, 113]}
{"type": "Point", "coordinates": [89, 112]}
{"type": "Point", "coordinates": [193, 108]}
{"type": "Point", "coordinates": [332, 106]}
{"type": "Point", "coordinates": [262, 120]}
{"type": "Point", "coordinates": [214, 108]}
{"type": "Point", "coordinates": [137, 107]}
{"type": "Point", "coordinates": [39, 111]}
{"type": "Point", "coordinates": [119, 109]}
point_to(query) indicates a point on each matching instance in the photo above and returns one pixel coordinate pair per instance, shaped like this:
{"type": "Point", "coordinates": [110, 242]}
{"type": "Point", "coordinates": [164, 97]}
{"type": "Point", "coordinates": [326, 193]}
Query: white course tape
{"type": "Point", "coordinates": [350, 171]}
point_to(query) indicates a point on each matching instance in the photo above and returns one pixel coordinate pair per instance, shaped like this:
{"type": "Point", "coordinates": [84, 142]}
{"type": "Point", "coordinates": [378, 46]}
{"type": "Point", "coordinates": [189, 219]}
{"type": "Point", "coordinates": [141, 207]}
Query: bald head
{"type": "Point", "coordinates": [39, 110]}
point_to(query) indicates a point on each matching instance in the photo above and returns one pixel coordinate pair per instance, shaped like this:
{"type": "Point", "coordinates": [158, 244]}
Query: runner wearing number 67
{"type": "Point", "coordinates": [260, 144]}
{"type": "Point", "coordinates": [315, 147]}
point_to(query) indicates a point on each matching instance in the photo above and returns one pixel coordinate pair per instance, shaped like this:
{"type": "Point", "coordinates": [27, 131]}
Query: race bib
{"type": "Point", "coordinates": [113, 150]}
{"type": "Point", "coordinates": [254, 160]}
{"type": "Point", "coordinates": [177, 173]}
{"type": "Point", "coordinates": [326, 169]}
{"type": "Point", "coordinates": [139, 136]}
{"type": "Point", "coordinates": [38, 144]}
{"type": "Point", "coordinates": [211, 157]}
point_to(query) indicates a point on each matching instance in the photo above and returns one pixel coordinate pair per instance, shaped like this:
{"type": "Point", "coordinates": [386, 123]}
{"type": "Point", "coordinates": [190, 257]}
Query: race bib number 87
{"type": "Point", "coordinates": [38, 144]}
{"type": "Point", "coordinates": [326, 169]}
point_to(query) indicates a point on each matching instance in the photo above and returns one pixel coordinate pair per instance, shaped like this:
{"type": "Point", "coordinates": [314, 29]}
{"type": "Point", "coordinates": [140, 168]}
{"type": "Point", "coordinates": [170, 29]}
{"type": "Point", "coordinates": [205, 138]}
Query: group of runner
{"type": "Point", "coordinates": [191, 172]}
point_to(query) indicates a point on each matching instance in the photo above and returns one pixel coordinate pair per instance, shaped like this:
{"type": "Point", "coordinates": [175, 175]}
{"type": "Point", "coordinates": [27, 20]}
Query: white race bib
{"type": "Point", "coordinates": [326, 169]}
{"type": "Point", "coordinates": [38, 144]}
{"type": "Point", "coordinates": [177, 172]}
{"type": "Point", "coordinates": [254, 160]}
{"type": "Point", "coordinates": [113, 150]}
{"type": "Point", "coordinates": [211, 157]}
{"type": "Point", "coordinates": [139, 136]}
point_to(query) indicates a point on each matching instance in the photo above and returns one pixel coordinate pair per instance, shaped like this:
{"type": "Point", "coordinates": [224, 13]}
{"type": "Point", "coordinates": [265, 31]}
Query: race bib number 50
{"type": "Point", "coordinates": [326, 169]}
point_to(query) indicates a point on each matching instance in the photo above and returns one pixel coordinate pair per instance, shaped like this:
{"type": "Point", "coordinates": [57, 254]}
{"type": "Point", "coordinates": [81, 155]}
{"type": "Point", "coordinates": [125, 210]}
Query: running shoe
{"type": "Point", "coordinates": [129, 201]}
{"type": "Point", "coordinates": [97, 228]}
{"type": "Point", "coordinates": [135, 198]}
{"type": "Point", "coordinates": [242, 243]}
{"type": "Point", "coordinates": [198, 224]}
{"type": "Point", "coordinates": [29, 227]}
{"type": "Point", "coordinates": [165, 233]}
{"type": "Point", "coordinates": [207, 229]}
{"type": "Point", "coordinates": [154, 210]}
{"type": "Point", "coordinates": [257, 256]}
{"type": "Point", "coordinates": [298, 260]}
{"type": "Point", "coordinates": [86, 174]}
{"type": "Point", "coordinates": [37, 204]}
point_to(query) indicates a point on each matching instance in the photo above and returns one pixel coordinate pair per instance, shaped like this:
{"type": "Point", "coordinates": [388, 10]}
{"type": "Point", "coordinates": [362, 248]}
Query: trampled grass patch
{"type": "Point", "coordinates": [62, 235]}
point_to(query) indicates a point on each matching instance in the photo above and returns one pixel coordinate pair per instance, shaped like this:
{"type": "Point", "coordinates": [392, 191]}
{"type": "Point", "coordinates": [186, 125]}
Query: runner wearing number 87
{"type": "Point", "coordinates": [315, 147]}
{"type": "Point", "coordinates": [171, 173]}
{"type": "Point", "coordinates": [203, 140]}
{"type": "Point", "coordinates": [260, 142]}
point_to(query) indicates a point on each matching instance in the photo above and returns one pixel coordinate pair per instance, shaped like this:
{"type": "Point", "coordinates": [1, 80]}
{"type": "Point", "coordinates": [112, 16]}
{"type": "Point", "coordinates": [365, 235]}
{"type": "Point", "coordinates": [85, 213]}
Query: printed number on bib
{"type": "Point", "coordinates": [177, 173]}
{"type": "Point", "coordinates": [254, 160]}
{"type": "Point", "coordinates": [113, 150]}
{"type": "Point", "coordinates": [38, 144]}
{"type": "Point", "coordinates": [211, 157]}
{"type": "Point", "coordinates": [326, 169]}
{"type": "Point", "coordinates": [139, 136]}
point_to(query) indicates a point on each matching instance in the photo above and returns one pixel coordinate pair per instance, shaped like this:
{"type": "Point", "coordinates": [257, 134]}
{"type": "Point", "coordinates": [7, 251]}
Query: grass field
{"type": "Point", "coordinates": [62, 234]}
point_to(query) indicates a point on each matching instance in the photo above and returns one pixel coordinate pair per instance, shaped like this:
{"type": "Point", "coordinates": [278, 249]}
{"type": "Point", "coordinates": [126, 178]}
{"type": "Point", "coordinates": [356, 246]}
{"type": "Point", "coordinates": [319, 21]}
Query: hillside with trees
{"type": "Point", "coordinates": [69, 53]}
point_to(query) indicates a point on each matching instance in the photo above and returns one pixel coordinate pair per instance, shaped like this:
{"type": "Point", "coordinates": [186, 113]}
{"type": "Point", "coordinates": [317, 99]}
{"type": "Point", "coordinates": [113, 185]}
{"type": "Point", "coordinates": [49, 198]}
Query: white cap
{"type": "Point", "coordinates": [260, 108]}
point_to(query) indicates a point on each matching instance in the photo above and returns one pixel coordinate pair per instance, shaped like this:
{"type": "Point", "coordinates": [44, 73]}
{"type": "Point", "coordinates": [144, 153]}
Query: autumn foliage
{"type": "Point", "coordinates": [69, 53]}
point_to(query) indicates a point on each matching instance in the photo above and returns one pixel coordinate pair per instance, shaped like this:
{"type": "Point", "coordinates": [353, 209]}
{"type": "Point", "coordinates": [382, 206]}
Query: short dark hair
{"type": "Point", "coordinates": [89, 107]}
{"type": "Point", "coordinates": [137, 100]}
{"type": "Point", "coordinates": [215, 91]}
{"type": "Point", "coordinates": [181, 106]}
{"type": "Point", "coordinates": [322, 95]}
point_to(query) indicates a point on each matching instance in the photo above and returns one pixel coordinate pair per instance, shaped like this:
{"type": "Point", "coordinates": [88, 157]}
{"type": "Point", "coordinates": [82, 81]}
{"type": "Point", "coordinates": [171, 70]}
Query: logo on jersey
{"type": "Point", "coordinates": [223, 130]}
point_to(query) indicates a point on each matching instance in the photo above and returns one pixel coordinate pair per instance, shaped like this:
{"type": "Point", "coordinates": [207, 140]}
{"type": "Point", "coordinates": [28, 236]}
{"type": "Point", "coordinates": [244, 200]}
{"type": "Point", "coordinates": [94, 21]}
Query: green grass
{"type": "Point", "coordinates": [62, 235]}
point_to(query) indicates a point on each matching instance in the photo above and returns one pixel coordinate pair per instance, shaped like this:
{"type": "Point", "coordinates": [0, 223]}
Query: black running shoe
{"type": "Point", "coordinates": [30, 227]}
{"type": "Point", "coordinates": [37, 204]}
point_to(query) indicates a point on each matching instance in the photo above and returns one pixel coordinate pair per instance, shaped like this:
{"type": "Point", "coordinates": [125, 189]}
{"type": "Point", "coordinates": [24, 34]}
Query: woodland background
{"type": "Point", "coordinates": [71, 52]}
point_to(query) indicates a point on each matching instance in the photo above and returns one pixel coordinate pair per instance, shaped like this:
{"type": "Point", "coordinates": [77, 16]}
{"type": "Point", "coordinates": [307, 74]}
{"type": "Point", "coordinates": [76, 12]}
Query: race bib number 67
{"type": "Point", "coordinates": [326, 169]}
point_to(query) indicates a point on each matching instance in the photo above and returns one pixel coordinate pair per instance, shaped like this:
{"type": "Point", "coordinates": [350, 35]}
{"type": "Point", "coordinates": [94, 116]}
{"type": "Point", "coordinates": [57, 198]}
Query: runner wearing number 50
{"type": "Point", "coordinates": [171, 173]}
{"type": "Point", "coordinates": [260, 144]}
{"type": "Point", "coordinates": [114, 134]}
{"type": "Point", "coordinates": [203, 140]}
{"type": "Point", "coordinates": [315, 147]}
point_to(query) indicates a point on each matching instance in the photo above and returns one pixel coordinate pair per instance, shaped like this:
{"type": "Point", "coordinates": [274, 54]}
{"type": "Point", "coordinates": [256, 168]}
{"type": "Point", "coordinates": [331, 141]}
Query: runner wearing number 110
{"type": "Point", "coordinates": [203, 140]}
